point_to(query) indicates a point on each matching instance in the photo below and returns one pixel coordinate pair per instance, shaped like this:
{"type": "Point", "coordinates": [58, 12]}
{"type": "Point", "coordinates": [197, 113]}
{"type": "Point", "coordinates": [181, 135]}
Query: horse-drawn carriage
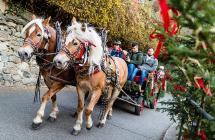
{"type": "Point", "coordinates": [152, 89]}
{"type": "Point", "coordinates": [83, 61]}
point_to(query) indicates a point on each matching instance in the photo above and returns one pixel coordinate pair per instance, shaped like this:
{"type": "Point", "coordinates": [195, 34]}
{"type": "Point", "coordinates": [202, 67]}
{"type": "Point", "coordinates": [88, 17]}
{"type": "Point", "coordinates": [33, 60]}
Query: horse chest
{"type": "Point", "coordinates": [92, 81]}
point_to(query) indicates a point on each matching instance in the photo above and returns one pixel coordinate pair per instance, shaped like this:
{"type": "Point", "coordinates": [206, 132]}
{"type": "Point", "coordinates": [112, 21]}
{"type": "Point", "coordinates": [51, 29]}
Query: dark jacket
{"type": "Point", "coordinates": [117, 53]}
{"type": "Point", "coordinates": [150, 64]}
{"type": "Point", "coordinates": [136, 58]}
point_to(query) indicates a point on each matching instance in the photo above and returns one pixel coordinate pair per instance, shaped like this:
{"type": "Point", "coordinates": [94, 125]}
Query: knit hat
{"type": "Point", "coordinates": [117, 42]}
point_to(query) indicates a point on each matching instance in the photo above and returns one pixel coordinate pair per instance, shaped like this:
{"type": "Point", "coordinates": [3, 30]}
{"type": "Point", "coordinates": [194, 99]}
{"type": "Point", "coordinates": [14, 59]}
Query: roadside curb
{"type": "Point", "coordinates": [171, 132]}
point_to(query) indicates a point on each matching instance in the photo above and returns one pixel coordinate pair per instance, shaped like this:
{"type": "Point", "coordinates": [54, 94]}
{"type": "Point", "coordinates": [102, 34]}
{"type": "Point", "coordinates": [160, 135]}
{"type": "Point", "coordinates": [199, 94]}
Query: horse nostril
{"type": "Point", "coordinates": [59, 62]}
{"type": "Point", "coordinates": [25, 54]}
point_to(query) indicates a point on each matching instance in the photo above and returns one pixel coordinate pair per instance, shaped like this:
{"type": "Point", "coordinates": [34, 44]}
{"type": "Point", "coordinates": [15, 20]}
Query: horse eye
{"type": "Point", "coordinates": [39, 34]}
{"type": "Point", "coordinates": [75, 43]}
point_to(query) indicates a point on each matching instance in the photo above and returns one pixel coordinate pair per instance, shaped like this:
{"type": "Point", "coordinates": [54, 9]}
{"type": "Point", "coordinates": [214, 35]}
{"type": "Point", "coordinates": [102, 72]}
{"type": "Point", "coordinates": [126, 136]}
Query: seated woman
{"type": "Point", "coordinates": [116, 50]}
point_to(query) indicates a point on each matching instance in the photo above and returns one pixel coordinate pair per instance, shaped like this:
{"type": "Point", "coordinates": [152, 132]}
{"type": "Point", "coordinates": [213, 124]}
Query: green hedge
{"type": "Point", "coordinates": [126, 20]}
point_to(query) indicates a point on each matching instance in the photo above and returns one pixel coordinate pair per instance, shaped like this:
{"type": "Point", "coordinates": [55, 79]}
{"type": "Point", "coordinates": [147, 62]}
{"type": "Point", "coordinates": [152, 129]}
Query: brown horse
{"type": "Point", "coordinates": [83, 50]}
{"type": "Point", "coordinates": [41, 38]}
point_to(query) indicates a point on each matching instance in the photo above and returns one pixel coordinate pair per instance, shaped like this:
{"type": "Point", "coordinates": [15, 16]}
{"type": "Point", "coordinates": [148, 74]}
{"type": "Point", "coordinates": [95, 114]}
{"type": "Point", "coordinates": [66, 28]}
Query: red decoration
{"type": "Point", "coordinates": [164, 14]}
{"type": "Point", "coordinates": [88, 43]}
{"type": "Point", "coordinates": [167, 22]}
{"type": "Point", "coordinates": [180, 88]}
{"type": "Point", "coordinates": [160, 43]}
{"type": "Point", "coordinates": [152, 91]}
{"type": "Point", "coordinates": [163, 83]}
{"type": "Point", "coordinates": [202, 135]}
{"type": "Point", "coordinates": [199, 83]}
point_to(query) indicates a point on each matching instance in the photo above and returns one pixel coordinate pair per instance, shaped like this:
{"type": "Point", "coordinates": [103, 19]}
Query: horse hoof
{"type": "Point", "coordinates": [51, 119]}
{"type": "Point", "coordinates": [100, 125]}
{"type": "Point", "coordinates": [35, 126]}
{"type": "Point", "coordinates": [88, 128]}
{"type": "Point", "coordinates": [109, 117]}
{"type": "Point", "coordinates": [75, 132]}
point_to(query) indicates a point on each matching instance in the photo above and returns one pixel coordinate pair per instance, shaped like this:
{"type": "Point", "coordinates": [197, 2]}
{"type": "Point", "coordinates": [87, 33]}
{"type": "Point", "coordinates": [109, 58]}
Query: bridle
{"type": "Point", "coordinates": [40, 53]}
{"type": "Point", "coordinates": [80, 55]}
{"type": "Point", "coordinates": [36, 45]}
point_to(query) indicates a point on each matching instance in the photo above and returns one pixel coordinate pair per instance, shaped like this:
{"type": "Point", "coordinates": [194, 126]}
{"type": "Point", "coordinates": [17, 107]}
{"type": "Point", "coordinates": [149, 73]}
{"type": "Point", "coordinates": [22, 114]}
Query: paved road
{"type": "Point", "coordinates": [17, 112]}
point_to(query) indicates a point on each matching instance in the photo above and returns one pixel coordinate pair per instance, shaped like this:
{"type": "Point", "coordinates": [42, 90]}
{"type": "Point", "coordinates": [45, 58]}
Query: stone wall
{"type": "Point", "coordinates": [13, 72]}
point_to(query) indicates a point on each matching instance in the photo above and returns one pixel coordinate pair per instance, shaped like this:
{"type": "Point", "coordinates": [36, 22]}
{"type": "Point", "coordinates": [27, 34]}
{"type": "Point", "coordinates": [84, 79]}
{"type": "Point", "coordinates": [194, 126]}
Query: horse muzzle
{"type": "Point", "coordinates": [59, 63]}
{"type": "Point", "coordinates": [25, 55]}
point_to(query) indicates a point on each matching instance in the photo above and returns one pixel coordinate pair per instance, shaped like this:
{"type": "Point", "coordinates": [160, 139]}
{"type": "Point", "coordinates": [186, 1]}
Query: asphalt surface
{"type": "Point", "coordinates": [17, 112]}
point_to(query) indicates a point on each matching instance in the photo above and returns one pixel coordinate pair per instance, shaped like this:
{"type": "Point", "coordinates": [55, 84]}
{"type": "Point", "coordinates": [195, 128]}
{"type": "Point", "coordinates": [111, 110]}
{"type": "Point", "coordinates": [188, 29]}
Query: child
{"type": "Point", "coordinates": [161, 73]}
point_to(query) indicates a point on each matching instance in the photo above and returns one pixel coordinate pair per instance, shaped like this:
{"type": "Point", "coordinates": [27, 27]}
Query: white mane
{"type": "Point", "coordinates": [35, 21]}
{"type": "Point", "coordinates": [90, 35]}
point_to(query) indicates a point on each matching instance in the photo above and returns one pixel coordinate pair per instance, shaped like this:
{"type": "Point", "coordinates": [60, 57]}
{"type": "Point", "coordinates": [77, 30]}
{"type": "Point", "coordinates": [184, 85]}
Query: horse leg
{"type": "Point", "coordinates": [79, 120]}
{"type": "Point", "coordinates": [94, 99]}
{"type": "Point", "coordinates": [109, 92]}
{"type": "Point", "coordinates": [85, 99]}
{"type": "Point", "coordinates": [37, 121]}
{"type": "Point", "coordinates": [108, 110]}
{"type": "Point", "coordinates": [53, 115]}
{"type": "Point", "coordinates": [109, 115]}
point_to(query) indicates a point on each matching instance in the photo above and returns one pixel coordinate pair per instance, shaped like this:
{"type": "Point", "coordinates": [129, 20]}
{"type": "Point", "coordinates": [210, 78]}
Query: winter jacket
{"type": "Point", "coordinates": [136, 58]}
{"type": "Point", "coordinates": [117, 53]}
{"type": "Point", "coordinates": [149, 63]}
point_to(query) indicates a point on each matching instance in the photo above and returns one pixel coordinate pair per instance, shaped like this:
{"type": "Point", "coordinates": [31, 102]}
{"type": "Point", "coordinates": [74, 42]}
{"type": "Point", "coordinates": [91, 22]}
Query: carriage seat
{"type": "Point", "coordinates": [137, 77]}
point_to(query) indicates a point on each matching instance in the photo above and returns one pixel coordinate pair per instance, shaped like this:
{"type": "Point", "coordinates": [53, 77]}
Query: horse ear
{"type": "Point", "coordinates": [73, 21]}
{"type": "Point", "coordinates": [46, 21]}
{"type": "Point", "coordinates": [33, 17]}
{"type": "Point", "coordinates": [84, 27]}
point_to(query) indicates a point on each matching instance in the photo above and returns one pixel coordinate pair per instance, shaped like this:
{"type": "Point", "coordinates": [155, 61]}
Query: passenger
{"type": "Point", "coordinates": [116, 50]}
{"type": "Point", "coordinates": [160, 73]}
{"type": "Point", "coordinates": [150, 64]}
{"type": "Point", "coordinates": [134, 59]}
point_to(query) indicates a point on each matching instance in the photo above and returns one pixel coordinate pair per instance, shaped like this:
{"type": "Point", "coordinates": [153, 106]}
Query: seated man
{"type": "Point", "coordinates": [116, 50]}
{"type": "Point", "coordinates": [149, 65]}
{"type": "Point", "coordinates": [134, 59]}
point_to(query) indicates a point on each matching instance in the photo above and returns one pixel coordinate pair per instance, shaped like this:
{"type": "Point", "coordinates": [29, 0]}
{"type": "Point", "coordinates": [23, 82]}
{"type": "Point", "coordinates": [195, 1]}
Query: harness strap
{"type": "Point", "coordinates": [79, 52]}
{"type": "Point", "coordinates": [37, 90]}
{"type": "Point", "coordinates": [36, 45]}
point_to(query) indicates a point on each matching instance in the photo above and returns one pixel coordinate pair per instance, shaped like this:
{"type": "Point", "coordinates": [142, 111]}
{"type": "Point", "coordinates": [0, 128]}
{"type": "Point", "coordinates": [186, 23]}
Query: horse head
{"type": "Point", "coordinates": [37, 36]}
{"type": "Point", "coordinates": [80, 39]}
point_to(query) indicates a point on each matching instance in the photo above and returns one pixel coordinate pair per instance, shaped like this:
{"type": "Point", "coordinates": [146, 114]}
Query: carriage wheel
{"type": "Point", "coordinates": [140, 108]}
